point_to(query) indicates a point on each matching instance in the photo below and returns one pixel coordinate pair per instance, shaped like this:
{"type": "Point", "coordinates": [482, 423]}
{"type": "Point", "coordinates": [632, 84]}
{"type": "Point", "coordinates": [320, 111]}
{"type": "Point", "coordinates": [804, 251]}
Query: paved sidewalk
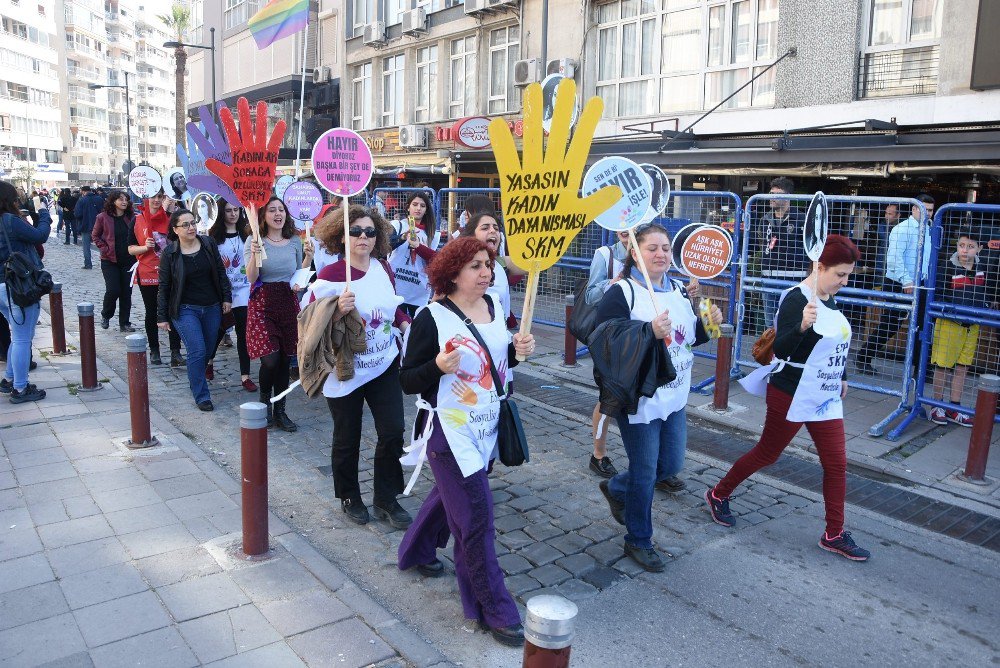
{"type": "Point", "coordinates": [118, 557]}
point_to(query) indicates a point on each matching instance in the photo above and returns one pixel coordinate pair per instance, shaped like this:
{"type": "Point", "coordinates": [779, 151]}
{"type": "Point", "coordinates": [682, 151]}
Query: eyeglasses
{"type": "Point", "coordinates": [357, 231]}
{"type": "Point", "coordinates": [186, 225]}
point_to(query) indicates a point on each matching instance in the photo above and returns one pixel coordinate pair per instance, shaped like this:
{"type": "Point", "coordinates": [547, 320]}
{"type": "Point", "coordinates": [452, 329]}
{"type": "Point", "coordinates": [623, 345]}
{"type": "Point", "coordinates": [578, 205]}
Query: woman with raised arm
{"type": "Point", "coordinates": [417, 238]}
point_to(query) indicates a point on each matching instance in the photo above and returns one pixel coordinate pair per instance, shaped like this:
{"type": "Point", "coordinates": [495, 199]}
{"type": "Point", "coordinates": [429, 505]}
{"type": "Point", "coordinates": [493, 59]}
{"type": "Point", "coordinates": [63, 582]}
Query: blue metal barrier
{"type": "Point", "coordinates": [450, 202]}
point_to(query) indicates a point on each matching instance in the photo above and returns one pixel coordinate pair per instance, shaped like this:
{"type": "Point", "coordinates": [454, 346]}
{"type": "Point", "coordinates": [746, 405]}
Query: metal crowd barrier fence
{"type": "Point", "coordinates": [946, 322]}
{"type": "Point", "coordinates": [450, 204]}
{"type": "Point", "coordinates": [878, 311]}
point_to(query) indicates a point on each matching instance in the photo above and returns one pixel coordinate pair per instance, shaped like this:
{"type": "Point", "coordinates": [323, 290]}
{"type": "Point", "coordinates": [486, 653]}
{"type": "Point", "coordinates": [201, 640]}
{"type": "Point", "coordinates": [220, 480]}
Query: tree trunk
{"type": "Point", "coordinates": [180, 109]}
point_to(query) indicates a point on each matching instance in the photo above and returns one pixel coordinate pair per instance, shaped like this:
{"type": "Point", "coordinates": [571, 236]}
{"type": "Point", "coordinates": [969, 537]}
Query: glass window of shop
{"type": "Point", "coordinates": [426, 93]}
{"type": "Point", "coordinates": [361, 97]}
{"type": "Point", "coordinates": [462, 72]}
{"type": "Point", "coordinates": [392, 90]}
{"type": "Point", "coordinates": [504, 52]}
{"type": "Point", "coordinates": [902, 48]}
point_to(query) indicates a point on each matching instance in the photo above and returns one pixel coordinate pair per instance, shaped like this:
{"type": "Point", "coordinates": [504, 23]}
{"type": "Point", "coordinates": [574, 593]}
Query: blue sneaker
{"type": "Point", "coordinates": [719, 509]}
{"type": "Point", "coordinates": [845, 546]}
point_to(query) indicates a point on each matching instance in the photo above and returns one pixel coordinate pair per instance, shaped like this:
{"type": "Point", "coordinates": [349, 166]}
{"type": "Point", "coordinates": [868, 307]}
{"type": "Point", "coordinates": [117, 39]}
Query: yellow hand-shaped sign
{"type": "Point", "coordinates": [539, 192]}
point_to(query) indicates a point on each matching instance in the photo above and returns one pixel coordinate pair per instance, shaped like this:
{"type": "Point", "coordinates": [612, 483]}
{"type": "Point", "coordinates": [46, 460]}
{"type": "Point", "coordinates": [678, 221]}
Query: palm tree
{"type": "Point", "coordinates": [179, 20]}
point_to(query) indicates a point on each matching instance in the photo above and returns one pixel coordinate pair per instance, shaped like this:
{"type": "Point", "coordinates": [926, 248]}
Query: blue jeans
{"type": "Point", "coordinates": [87, 262]}
{"type": "Point", "coordinates": [655, 451]}
{"type": "Point", "coordinates": [198, 327]}
{"type": "Point", "coordinates": [22, 330]}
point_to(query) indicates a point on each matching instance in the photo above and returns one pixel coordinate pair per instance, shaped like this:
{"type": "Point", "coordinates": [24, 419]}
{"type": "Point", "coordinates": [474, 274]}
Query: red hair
{"type": "Point", "coordinates": [450, 260]}
{"type": "Point", "coordinates": [839, 250]}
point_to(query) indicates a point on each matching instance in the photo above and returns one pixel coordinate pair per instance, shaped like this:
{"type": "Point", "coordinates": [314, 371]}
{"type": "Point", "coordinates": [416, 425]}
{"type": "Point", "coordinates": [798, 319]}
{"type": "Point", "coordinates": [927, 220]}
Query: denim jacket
{"type": "Point", "coordinates": [24, 236]}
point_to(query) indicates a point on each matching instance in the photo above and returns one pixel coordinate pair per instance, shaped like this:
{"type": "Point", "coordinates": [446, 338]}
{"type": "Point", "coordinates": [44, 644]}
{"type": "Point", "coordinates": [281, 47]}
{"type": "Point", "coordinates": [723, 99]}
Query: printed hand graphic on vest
{"type": "Point", "coordinates": [466, 395]}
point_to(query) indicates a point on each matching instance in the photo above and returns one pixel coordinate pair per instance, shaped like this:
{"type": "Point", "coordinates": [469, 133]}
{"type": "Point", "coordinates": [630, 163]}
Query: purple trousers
{"type": "Point", "coordinates": [462, 507]}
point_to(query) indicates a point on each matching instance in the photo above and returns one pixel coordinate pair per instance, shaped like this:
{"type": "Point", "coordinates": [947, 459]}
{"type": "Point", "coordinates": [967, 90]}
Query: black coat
{"type": "Point", "coordinates": [168, 298]}
{"type": "Point", "coordinates": [629, 363]}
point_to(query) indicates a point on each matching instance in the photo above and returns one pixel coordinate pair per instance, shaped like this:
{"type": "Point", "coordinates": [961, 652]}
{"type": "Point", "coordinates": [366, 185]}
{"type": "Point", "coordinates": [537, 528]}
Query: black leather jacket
{"type": "Point", "coordinates": [629, 363]}
{"type": "Point", "coordinates": [168, 299]}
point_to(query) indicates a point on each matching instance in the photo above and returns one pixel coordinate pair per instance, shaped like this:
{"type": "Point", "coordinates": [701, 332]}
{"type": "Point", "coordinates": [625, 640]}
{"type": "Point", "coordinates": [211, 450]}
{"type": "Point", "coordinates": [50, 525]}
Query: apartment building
{"type": "Point", "coordinates": [31, 144]}
{"type": "Point", "coordinates": [155, 95]}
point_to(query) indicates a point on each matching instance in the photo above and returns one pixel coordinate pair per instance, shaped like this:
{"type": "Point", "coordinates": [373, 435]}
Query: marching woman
{"type": "Point", "coordinates": [457, 426]}
{"type": "Point", "coordinates": [487, 228]}
{"type": "Point", "coordinates": [193, 294]}
{"type": "Point", "coordinates": [230, 232]}
{"type": "Point", "coordinates": [655, 434]}
{"type": "Point", "coordinates": [272, 329]}
{"type": "Point", "coordinates": [111, 235]}
{"type": "Point", "coordinates": [805, 385]}
{"type": "Point", "coordinates": [376, 370]}
{"type": "Point", "coordinates": [146, 241]}
{"type": "Point", "coordinates": [409, 260]}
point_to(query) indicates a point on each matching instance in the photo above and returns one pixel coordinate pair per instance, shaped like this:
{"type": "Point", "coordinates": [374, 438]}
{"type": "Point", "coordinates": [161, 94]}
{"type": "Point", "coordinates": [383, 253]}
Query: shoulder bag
{"type": "Point", "coordinates": [583, 320]}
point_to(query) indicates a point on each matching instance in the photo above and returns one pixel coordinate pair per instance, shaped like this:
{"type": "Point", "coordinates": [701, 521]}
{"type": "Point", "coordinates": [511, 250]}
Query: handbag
{"type": "Point", "coordinates": [512, 444]}
{"type": "Point", "coordinates": [583, 320]}
{"type": "Point", "coordinates": [26, 284]}
{"type": "Point", "coordinates": [763, 347]}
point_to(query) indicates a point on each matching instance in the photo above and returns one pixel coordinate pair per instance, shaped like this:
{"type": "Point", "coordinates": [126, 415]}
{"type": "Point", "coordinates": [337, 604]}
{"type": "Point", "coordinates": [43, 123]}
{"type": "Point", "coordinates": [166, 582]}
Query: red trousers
{"type": "Point", "coordinates": [778, 432]}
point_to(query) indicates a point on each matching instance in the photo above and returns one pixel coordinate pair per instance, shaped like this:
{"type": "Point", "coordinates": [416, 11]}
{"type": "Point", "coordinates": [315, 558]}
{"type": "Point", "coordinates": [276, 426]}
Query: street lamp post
{"type": "Point", "coordinates": [211, 47]}
{"type": "Point", "coordinates": [128, 114]}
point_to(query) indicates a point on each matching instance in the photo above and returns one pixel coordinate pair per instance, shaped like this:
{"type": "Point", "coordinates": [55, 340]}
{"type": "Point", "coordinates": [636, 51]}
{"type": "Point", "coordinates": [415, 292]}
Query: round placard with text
{"type": "Point", "coordinates": [144, 181]}
{"type": "Point", "coordinates": [342, 162]}
{"type": "Point", "coordinates": [637, 191]}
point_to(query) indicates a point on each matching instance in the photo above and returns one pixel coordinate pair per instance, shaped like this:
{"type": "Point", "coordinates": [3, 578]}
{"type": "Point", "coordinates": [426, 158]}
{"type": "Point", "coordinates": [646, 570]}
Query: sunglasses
{"type": "Point", "coordinates": [357, 231]}
{"type": "Point", "coordinates": [186, 225]}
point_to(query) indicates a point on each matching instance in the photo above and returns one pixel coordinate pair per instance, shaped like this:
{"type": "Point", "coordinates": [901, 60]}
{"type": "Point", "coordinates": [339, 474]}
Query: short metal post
{"type": "Point", "coordinates": [724, 357]}
{"type": "Point", "coordinates": [56, 320]}
{"type": "Point", "coordinates": [982, 430]}
{"type": "Point", "coordinates": [569, 341]}
{"type": "Point", "coordinates": [253, 446]}
{"type": "Point", "coordinates": [88, 348]}
{"type": "Point", "coordinates": [549, 627]}
{"type": "Point", "coordinates": [138, 392]}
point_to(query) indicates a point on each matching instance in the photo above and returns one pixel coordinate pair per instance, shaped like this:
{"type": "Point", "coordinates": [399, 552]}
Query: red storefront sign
{"type": "Point", "coordinates": [472, 132]}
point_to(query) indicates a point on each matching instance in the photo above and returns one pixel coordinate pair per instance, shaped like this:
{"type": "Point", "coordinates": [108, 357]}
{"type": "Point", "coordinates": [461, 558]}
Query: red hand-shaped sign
{"type": "Point", "coordinates": [255, 157]}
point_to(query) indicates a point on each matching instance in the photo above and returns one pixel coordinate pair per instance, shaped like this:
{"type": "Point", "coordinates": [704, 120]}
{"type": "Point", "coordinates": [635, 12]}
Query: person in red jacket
{"type": "Point", "coordinates": [148, 238]}
{"type": "Point", "coordinates": [110, 235]}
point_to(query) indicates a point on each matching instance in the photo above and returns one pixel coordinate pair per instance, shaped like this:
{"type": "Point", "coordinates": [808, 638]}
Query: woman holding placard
{"type": "Point", "coordinates": [805, 385]}
{"type": "Point", "coordinates": [655, 436]}
{"type": "Point", "coordinates": [419, 234]}
{"type": "Point", "coordinates": [375, 379]}
{"type": "Point", "coordinates": [272, 329]}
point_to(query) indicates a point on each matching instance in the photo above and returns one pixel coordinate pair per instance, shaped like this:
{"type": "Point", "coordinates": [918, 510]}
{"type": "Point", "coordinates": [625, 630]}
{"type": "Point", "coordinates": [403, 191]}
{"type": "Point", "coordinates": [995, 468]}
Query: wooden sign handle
{"type": "Point", "coordinates": [528, 312]}
{"type": "Point", "coordinates": [815, 294]}
{"type": "Point", "coordinates": [255, 232]}
{"type": "Point", "coordinates": [645, 274]}
{"type": "Point", "coordinates": [347, 244]}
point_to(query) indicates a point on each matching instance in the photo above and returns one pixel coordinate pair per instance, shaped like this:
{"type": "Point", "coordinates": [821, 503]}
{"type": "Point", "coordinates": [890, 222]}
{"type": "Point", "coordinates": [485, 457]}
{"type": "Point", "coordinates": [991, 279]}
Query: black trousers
{"type": "Point", "coordinates": [889, 324]}
{"type": "Point", "coordinates": [240, 315]}
{"type": "Point", "coordinates": [71, 226]}
{"type": "Point", "coordinates": [385, 400]}
{"type": "Point", "coordinates": [148, 293]}
{"type": "Point", "coordinates": [116, 290]}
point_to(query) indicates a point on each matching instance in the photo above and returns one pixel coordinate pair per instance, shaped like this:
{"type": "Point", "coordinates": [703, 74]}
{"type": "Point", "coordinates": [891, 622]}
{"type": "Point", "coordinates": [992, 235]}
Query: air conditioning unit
{"type": "Point", "coordinates": [321, 75]}
{"type": "Point", "coordinates": [414, 21]}
{"type": "Point", "coordinates": [375, 33]}
{"type": "Point", "coordinates": [412, 136]}
{"type": "Point", "coordinates": [527, 72]}
{"type": "Point", "coordinates": [476, 6]}
{"type": "Point", "coordinates": [563, 66]}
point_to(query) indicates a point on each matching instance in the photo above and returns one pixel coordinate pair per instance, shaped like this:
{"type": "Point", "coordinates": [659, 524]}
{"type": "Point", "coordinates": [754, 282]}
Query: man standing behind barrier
{"type": "Point", "coordinates": [901, 264]}
{"type": "Point", "coordinates": [780, 237]}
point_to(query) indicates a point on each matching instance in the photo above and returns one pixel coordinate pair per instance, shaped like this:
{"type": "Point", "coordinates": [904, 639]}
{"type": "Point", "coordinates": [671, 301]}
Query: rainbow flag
{"type": "Point", "coordinates": [278, 19]}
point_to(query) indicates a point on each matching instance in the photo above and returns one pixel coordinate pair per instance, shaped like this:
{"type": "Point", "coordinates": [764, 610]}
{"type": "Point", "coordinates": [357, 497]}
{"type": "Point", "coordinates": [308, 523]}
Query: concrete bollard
{"type": "Point", "coordinates": [88, 349]}
{"type": "Point", "coordinates": [548, 632]}
{"type": "Point", "coordinates": [57, 321]}
{"type": "Point", "coordinates": [569, 341]}
{"type": "Point", "coordinates": [138, 392]}
{"type": "Point", "coordinates": [724, 357]}
{"type": "Point", "coordinates": [982, 430]}
{"type": "Point", "coordinates": [253, 446]}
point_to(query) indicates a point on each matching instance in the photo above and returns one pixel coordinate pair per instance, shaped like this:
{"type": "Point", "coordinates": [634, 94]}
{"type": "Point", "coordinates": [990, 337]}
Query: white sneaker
{"type": "Point", "coordinates": [938, 416]}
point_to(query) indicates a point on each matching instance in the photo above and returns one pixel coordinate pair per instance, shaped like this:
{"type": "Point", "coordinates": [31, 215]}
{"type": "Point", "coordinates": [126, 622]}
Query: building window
{"type": "Point", "coordinates": [394, 11]}
{"type": "Point", "coordinates": [627, 73]}
{"type": "Point", "coordinates": [902, 48]}
{"type": "Point", "coordinates": [463, 77]}
{"type": "Point", "coordinates": [504, 52]}
{"type": "Point", "coordinates": [392, 90]}
{"type": "Point", "coordinates": [426, 107]}
{"type": "Point", "coordinates": [364, 13]}
{"type": "Point", "coordinates": [194, 33]}
{"type": "Point", "coordinates": [361, 97]}
{"type": "Point", "coordinates": [239, 12]}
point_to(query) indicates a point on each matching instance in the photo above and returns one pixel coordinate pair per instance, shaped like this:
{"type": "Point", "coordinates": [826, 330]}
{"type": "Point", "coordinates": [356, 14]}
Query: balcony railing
{"type": "Point", "coordinates": [84, 50]}
{"type": "Point", "coordinates": [83, 73]}
{"type": "Point", "coordinates": [902, 72]}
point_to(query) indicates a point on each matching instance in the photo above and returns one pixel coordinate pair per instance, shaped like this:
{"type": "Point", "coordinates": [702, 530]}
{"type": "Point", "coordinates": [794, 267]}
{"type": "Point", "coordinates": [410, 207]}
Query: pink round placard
{"type": "Point", "coordinates": [342, 162]}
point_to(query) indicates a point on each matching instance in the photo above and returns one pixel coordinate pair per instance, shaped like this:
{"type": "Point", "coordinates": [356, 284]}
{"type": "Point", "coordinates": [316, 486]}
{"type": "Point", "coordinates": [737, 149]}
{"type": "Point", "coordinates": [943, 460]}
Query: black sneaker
{"type": "Point", "coordinates": [434, 569]}
{"type": "Point", "coordinates": [603, 467]}
{"type": "Point", "coordinates": [512, 636]}
{"type": "Point", "coordinates": [395, 513]}
{"type": "Point", "coordinates": [105, 322]}
{"type": "Point", "coordinates": [356, 510]}
{"type": "Point", "coordinates": [29, 393]}
{"type": "Point", "coordinates": [719, 509]}
{"type": "Point", "coordinates": [646, 557]}
{"type": "Point", "coordinates": [32, 365]}
{"type": "Point", "coordinates": [127, 329]}
{"type": "Point", "coordinates": [206, 406]}
{"type": "Point", "coordinates": [6, 387]}
{"type": "Point", "coordinates": [176, 359]}
{"type": "Point", "coordinates": [845, 546]}
{"type": "Point", "coordinates": [671, 484]}
{"type": "Point", "coordinates": [154, 358]}
{"type": "Point", "coordinates": [617, 507]}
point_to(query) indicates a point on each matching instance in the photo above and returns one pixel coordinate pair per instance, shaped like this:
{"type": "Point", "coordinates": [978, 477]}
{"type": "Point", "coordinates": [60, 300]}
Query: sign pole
{"type": "Point", "coordinates": [528, 312]}
{"type": "Point", "coordinates": [634, 243]}
{"type": "Point", "coordinates": [302, 102]}
{"type": "Point", "coordinates": [347, 243]}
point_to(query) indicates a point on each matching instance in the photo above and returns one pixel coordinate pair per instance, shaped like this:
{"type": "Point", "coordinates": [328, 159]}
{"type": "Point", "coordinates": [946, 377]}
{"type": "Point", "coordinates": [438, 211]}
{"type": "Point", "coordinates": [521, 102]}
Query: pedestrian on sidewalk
{"type": "Point", "coordinates": [376, 370]}
{"type": "Point", "coordinates": [67, 202]}
{"type": "Point", "coordinates": [86, 211]}
{"type": "Point", "coordinates": [806, 384]}
{"type": "Point", "coordinates": [193, 294]}
{"type": "Point", "coordinates": [654, 430]}
{"type": "Point", "coordinates": [416, 238]}
{"type": "Point", "coordinates": [146, 242]}
{"type": "Point", "coordinates": [272, 328]}
{"type": "Point", "coordinates": [230, 232]}
{"type": "Point", "coordinates": [111, 233]}
{"type": "Point", "coordinates": [457, 426]}
{"type": "Point", "coordinates": [19, 236]}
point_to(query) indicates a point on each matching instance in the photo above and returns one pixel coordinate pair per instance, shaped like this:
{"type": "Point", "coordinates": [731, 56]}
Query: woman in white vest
{"type": "Point", "coordinates": [376, 371]}
{"type": "Point", "coordinates": [805, 384]}
{"type": "Point", "coordinates": [655, 437]}
{"type": "Point", "coordinates": [456, 430]}
{"type": "Point", "coordinates": [409, 260]}
{"type": "Point", "coordinates": [487, 228]}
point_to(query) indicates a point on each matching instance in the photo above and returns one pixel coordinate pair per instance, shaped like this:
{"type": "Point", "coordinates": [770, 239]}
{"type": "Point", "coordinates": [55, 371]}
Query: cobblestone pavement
{"type": "Point", "coordinates": [554, 529]}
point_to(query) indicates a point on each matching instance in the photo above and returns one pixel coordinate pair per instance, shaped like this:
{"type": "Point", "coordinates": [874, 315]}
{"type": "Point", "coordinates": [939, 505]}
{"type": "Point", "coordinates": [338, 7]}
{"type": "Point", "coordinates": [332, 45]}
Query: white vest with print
{"type": "Point", "coordinates": [409, 268]}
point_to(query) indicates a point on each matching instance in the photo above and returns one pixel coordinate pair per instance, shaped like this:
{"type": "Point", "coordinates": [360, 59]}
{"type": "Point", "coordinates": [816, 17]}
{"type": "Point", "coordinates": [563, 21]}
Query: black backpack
{"type": "Point", "coordinates": [584, 318]}
{"type": "Point", "coordinates": [26, 284]}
